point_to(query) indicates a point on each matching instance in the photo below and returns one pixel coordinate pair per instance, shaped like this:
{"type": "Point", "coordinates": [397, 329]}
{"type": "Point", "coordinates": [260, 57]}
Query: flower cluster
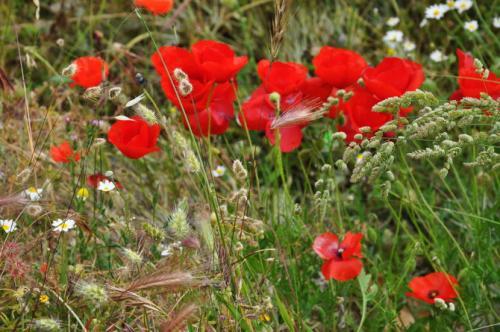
{"type": "Point", "coordinates": [392, 77]}
{"type": "Point", "coordinates": [341, 262]}
{"type": "Point", "coordinates": [201, 83]}
{"type": "Point", "coordinates": [437, 11]}
{"type": "Point", "coordinates": [284, 86]}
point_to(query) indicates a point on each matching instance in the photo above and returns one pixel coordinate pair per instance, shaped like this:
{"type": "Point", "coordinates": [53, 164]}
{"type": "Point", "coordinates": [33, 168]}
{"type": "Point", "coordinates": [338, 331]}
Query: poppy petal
{"type": "Point", "coordinates": [342, 270]}
{"type": "Point", "coordinates": [325, 245]}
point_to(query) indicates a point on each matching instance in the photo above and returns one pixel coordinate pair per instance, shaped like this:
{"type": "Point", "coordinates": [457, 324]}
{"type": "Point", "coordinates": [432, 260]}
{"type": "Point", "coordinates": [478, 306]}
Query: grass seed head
{"type": "Point", "coordinates": [93, 293]}
{"type": "Point", "coordinates": [47, 325]}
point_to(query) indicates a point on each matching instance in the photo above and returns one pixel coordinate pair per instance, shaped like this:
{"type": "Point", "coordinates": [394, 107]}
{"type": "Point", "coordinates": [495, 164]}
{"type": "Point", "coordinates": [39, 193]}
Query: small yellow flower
{"type": "Point", "coordinates": [391, 51]}
{"type": "Point", "coordinates": [265, 317]}
{"type": "Point", "coordinates": [44, 299]}
{"type": "Point", "coordinates": [82, 193]}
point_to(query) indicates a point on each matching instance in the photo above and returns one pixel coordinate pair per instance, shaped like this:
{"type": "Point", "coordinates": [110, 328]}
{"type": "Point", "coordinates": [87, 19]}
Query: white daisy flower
{"type": "Point", "coordinates": [219, 171]}
{"type": "Point", "coordinates": [496, 22]}
{"type": "Point", "coordinates": [409, 46]}
{"type": "Point", "coordinates": [471, 26]}
{"type": "Point", "coordinates": [435, 12]}
{"type": "Point", "coordinates": [438, 56]}
{"type": "Point", "coordinates": [61, 225]}
{"type": "Point", "coordinates": [166, 252]}
{"type": "Point", "coordinates": [393, 37]}
{"type": "Point", "coordinates": [392, 21]}
{"type": "Point", "coordinates": [463, 5]}
{"type": "Point", "coordinates": [450, 4]}
{"type": "Point", "coordinates": [106, 185]}
{"type": "Point", "coordinates": [8, 225]}
{"type": "Point", "coordinates": [34, 194]}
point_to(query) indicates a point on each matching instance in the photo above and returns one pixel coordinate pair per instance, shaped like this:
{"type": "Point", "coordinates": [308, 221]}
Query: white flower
{"type": "Point", "coordinates": [408, 45]}
{"type": "Point", "coordinates": [496, 22]}
{"type": "Point", "coordinates": [219, 171]}
{"type": "Point", "coordinates": [471, 26]}
{"type": "Point", "coordinates": [393, 37]}
{"type": "Point", "coordinates": [166, 252]}
{"type": "Point", "coordinates": [438, 56]}
{"type": "Point", "coordinates": [463, 5]}
{"type": "Point", "coordinates": [61, 225]}
{"type": "Point", "coordinates": [392, 21]}
{"type": "Point", "coordinates": [435, 12]}
{"type": "Point", "coordinates": [34, 194]}
{"type": "Point", "coordinates": [106, 185]}
{"type": "Point", "coordinates": [450, 4]}
{"type": "Point", "coordinates": [361, 156]}
{"type": "Point", "coordinates": [8, 225]}
{"type": "Point", "coordinates": [423, 23]}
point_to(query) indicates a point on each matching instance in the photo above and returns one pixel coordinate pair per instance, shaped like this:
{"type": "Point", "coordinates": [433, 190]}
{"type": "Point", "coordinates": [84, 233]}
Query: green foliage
{"type": "Point", "coordinates": [425, 199]}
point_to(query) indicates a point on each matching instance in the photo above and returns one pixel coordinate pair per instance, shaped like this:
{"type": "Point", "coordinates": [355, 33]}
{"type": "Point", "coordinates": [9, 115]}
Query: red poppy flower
{"type": "Point", "coordinates": [359, 111]}
{"type": "Point", "coordinates": [172, 58]}
{"type": "Point", "coordinates": [64, 153]}
{"type": "Point", "coordinates": [290, 137]}
{"type": "Point", "coordinates": [281, 77]}
{"type": "Point", "coordinates": [432, 286]}
{"type": "Point", "coordinates": [217, 60]}
{"type": "Point", "coordinates": [195, 101]}
{"type": "Point", "coordinates": [289, 79]}
{"type": "Point", "coordinates": [471, 83]}
{"type": "Point", "coordinates": [456, 95]}
{"type": "Point", "coordinates": [89, 71]}
{"type": "Point", "coordinates": [135, 138]}
{"type": "Point", "coordinates": [316, 88]}
{"type": "Point", "coordinates": [393, 77]}
{"type": "Point", "coordinates": [339, 67]}
{"type": "Point", "coordinates": [257, 111]}
{"type": "Point", "coordinates": [214, 120]}
{"type": "Point", "coordinates": [94, 179]}
{"type": "Point", "coordinates": [157, 7]}
{"type": "Point", "coordinates": [340, 259]}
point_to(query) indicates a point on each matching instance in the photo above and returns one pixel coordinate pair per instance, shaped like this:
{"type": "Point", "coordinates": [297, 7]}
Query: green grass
{"type": "Point", "coordinates": [254, 269]}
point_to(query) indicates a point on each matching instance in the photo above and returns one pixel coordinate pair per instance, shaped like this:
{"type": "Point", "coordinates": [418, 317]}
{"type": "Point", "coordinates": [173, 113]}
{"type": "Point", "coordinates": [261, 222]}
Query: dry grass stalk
{"type": "Point", "coordinates": [162, 280]}
{"type": "Point", "coordinates": [281, 14]}
{"type": "Point", "coordinates": [12, 200]}
{"type": "Point", "coordinates": [131, 299]}
{"type": "Point", "coordinates": [179, 320]}
{"type": "Point", "coordinates": [302, 113]}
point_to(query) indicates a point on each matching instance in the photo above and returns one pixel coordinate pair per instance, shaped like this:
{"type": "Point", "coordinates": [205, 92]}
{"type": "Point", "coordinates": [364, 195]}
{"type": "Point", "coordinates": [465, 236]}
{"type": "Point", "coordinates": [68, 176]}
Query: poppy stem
{"type": "Point", "coordinates": [363, 281]}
